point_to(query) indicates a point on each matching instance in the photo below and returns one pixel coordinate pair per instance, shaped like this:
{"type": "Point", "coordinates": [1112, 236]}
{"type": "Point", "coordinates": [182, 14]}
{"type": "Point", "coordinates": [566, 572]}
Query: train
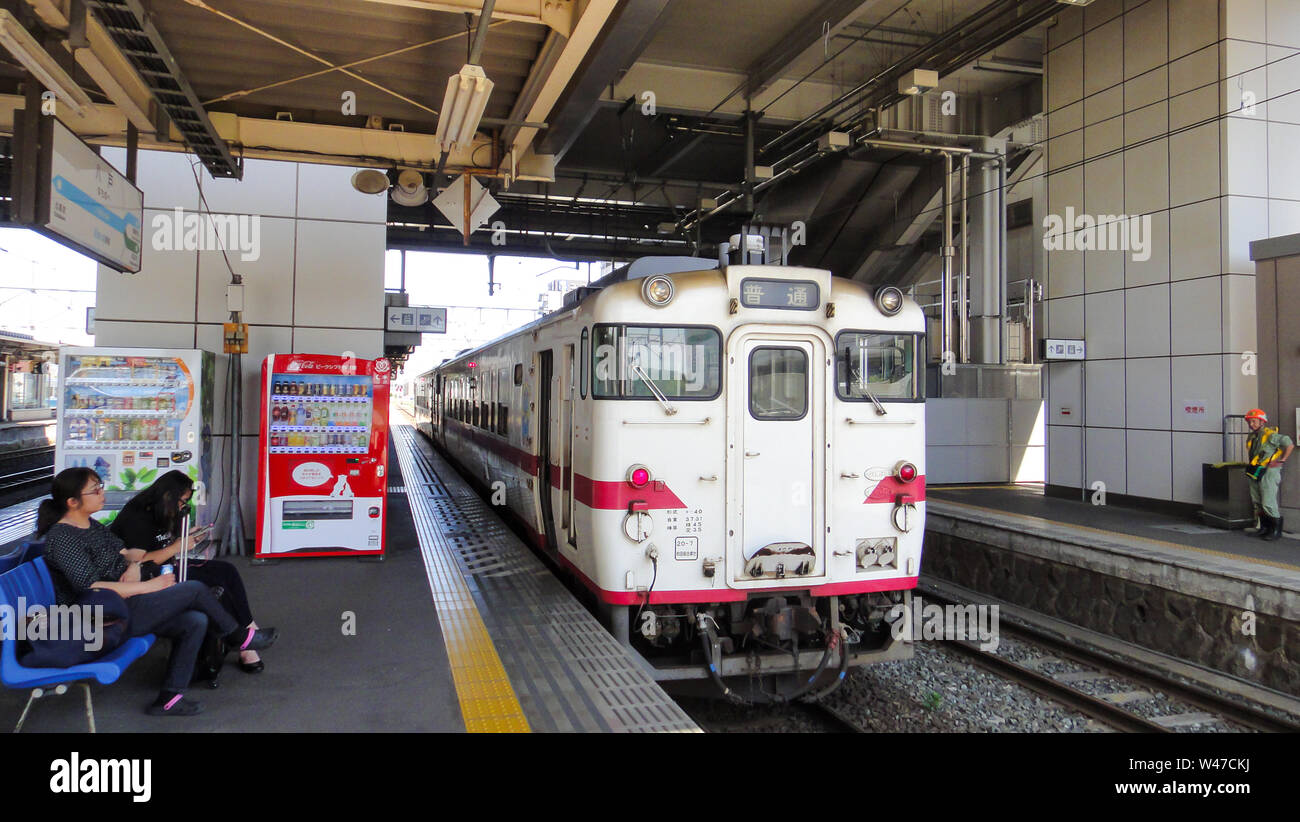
{"type": "Point", "coordinates": [729, 459]}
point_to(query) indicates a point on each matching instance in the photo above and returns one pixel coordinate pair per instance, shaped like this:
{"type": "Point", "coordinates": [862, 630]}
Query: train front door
{"type": "Point", "coordinates": [545, 416]}
{"type": "Point", "coordinates": [779, 457]}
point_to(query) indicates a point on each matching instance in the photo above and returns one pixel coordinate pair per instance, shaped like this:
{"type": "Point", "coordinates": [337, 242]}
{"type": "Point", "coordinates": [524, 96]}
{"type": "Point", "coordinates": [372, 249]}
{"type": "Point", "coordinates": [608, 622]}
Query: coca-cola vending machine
{"type": "Point", "coordinates": [324, 456]}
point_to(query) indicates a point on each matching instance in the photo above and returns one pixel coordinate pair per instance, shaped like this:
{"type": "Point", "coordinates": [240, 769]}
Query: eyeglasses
{"type": "Point", "coordinates": [98, 489]}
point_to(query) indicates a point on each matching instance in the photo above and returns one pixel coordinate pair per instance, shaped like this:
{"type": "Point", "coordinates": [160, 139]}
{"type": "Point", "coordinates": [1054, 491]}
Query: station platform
{"type": "Point", "coordinates": [1222, 599]}
{"type": "Point", "coordinates": [460, 629]}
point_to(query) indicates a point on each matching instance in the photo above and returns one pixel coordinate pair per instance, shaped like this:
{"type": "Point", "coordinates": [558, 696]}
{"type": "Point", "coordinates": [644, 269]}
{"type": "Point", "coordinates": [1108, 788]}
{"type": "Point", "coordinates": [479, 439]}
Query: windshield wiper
{"type": "Point", "coordinates": [853, 374]}
{"type": "Point", "coordinates": [654, 389]}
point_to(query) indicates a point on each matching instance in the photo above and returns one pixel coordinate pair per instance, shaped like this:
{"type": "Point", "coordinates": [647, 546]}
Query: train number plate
{"type": "Point", "coordinates": [686, 548]}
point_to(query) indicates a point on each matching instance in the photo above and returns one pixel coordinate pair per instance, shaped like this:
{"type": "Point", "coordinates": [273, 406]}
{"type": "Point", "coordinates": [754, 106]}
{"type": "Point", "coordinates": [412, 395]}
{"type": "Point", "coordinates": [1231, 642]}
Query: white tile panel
{"type": "Point", "coordinates": [1146, 393]}
{"type": "Point", "coordinates": [945, 421]}
{"type": "Point", "coordinates": [1065, 150]}
{"type": "Point", "coordinates": [1246, 20]}
{"type": "Point", "coordinates": [1238, 297]}
{"type": "Point", "coordinates": [1063, 456]}
{"type": "Point", "coordinates": [1064, 273]}
{"type": "Point", "coordinates": [1106, 455]}
{"type": "Point", "coordinates": [1245, 69]}
{"type": "Point", "coordinates": [1194, 240]}
{"type": "Point", "coordinates": [1146, 314]}
{"type": "Point", "coordinates": [1197, 381]}
{"type": "Point", "coordinates": [268, 280]}
{"type": "Point", "coordinates": [1196, 173]}
{"type": "Point", "coordinates": [364, 345]}
{"type": "Point", "coordinates": [986, 421]}
{"type": "Point", "coordinates": [1064, 75]}
{"type": "Point", "coordinates": [986, 463]}
{"type": "Point", "coordinates": [1104, 137]}
{"type": "Point", "coordinates": [1145, 38]}
{"type": "Point", "coordinates": [1283, 79]}
{"type": "Point", "coordinates": [945, 464]}
{"type": "Point", "coordinates": [1104, 105]}
{"type": "Point", "coordinates": [262, 342]}
{"type": "Point", "coordinates": [1065, 189]}
{"type": "Point", "coordinates": [269, 188]}
{"type": "Point", "coordinates": [1065, 318]}
{"type": "Point", "coordinates": [326, 193]}
{"type": "Point", "coordinates": [167, 179]}
{"type": "Point", "coordinates": [1190, 452]}
{"type": "Point", "coordinates": [1063, 394]}
{"type": "Point", "coordinates": [1195, 321]}
{"type": "Point", "coordinates": [339, 274]}
{"type": "Point", "coordinates": [1069, 25]}
{"type": "Point", "coordinates": [1155, 268]}
{"type": "Point", "coordinates": [1028, 463]}
{"type": "Point", "coordinates": [1065, 120]}
{"type": "Point", "coordinates": [1240, 390]}
{"type": "Point", "coordinates": [1244, 220]}
{"type": "Point", "coordinates": [1103, 317]}
{"type": "Point", "coordinates": [144, 334]}
{"type": "Point", "coordinates": [1283, 218]}
{"type": "Point", "coordinates": [1100, 68]}
{"type": "Point", "coordinates": [1149, 464]}
{"type": "Point", "coordinates": [1101, 11]}
{"type": "Point", "coordinates": [1145, 89]}
{"type": "Point", "coordinates": [1284, 23]}
{"type": "Point", "coordinates": [1245, 164]}
{"type": "Point", "coordinates": [164, 287]}
{"type": "Point", "coordinates": [1103, 185]}
{"type": "Point", "coordinates": [1105, 393]}
{"type": "Point", "coordinates": [1103, 270]}
{"type": "Point", "coordinates": [1193, 24]}
{"type": "Point", "coordinates": [1146, 177]}
{"type": "Point", "coordinates": [1284, 160]}
{"type": "Point", "coordinates": [1198, 105]}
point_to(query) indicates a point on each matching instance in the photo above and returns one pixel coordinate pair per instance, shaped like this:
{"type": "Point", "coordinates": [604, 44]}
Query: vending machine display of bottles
{"type": "Point", "coordinates": [132, 414]}
{"type": "Point", "coordinates": [324, 443]}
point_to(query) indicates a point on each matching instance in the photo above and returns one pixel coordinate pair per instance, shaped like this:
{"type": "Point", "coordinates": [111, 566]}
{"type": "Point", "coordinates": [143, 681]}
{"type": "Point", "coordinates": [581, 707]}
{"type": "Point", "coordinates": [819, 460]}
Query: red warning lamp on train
{"type": "Point", "coordinates": [638, 476]}
{"type": "Point", "coordinates": [905, 471]}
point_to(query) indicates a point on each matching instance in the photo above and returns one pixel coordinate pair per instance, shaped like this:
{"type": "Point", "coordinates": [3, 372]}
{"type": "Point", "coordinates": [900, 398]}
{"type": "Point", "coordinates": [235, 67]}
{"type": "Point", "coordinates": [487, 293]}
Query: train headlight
{"type": "Point", "coordinates": [658, 291]}
{"type": "Point", "coordinates": [638, 476]}
{"type": "Point", "coordinates": [889, 300]}
{"type": "Point", "coordinates": [905, 471]}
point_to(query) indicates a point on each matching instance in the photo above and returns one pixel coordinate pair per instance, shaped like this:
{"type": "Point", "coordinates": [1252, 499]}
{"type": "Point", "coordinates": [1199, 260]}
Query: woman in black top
{"type": "Point", "coordinates": [83, 554]}
{"type": "Point", "coordinates": [152, 519]}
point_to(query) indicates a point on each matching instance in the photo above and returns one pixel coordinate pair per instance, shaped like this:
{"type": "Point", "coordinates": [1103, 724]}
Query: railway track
{"type": "Point", "coordinates": [25, 473]}
{"type": "Point", "coordinates": [1119, 711]}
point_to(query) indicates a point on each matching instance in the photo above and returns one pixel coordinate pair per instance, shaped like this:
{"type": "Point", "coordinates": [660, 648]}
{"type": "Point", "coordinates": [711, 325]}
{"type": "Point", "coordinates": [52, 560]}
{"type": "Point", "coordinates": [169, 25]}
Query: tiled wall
{"type": "Point", "coordinates": [1144, 100]}
{"type": "Point", "coordinates": [316, 287]}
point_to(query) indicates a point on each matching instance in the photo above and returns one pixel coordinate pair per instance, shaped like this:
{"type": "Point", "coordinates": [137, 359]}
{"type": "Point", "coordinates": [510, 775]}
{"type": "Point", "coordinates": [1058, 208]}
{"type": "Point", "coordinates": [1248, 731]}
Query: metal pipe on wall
{"type": "Point", "coordinates": [963, 278]}
{"type": "Point", "coordinates": [1002, 256]}
{"type": "Point", "coordinates": [946, 253]}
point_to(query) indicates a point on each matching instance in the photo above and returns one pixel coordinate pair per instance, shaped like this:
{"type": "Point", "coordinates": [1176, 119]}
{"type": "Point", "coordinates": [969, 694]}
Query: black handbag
{"type": "Point", "coordinates": [212, 654]}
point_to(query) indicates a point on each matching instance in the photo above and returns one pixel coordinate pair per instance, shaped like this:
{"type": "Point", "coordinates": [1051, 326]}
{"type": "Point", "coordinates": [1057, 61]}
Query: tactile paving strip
{"type": "Point", "coordinates": [567, 672]}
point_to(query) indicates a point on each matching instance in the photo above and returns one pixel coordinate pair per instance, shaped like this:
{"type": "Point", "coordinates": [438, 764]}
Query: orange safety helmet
{"type": "Point", "coordinates": [1257, 414]}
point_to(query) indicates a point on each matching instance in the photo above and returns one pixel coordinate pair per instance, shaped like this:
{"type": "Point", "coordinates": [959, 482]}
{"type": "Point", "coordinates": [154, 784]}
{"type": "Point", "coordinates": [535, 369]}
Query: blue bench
{"type": "Point", "coordinates": [31, 581]}
{"type": "Point", "coordinates": [26, 551]}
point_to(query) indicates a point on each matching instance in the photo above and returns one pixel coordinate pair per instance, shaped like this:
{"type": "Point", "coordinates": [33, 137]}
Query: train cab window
{"type": "Point", "coordinates": [876, 365]}
{"type": "Point", "coordinates": [778, 383]}
{"type": "Point", "coordinates": [582, 367]}
{"type": "Point", "coordinates": [519, 373]}
{"type": "Point", "coordinates": [684, 363]}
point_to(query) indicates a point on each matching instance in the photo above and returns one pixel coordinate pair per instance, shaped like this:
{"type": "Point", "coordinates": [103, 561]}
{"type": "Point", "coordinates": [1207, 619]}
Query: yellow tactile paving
{"type": "Point", "coordinates": [1161, 542]}
{"type": "Point", "coordinates": [488, 703]}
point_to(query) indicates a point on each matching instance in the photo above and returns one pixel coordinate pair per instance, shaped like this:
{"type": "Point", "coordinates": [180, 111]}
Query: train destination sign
{"type": "Point", "coordinates": [790, 295]}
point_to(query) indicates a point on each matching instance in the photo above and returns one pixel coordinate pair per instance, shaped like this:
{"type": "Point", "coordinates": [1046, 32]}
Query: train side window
{"type": "Point", "coordinates": [502, 417]}
{"type": "Point", "coordinates": [519, 373]}
{"type": "Point", "coordinates": [582, 368]}
{"type": "Point", "coordinates": [778, 383]}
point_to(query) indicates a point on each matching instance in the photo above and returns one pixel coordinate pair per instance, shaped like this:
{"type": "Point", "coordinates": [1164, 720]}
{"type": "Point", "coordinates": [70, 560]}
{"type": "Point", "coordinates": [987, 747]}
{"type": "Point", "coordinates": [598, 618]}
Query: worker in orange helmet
{"type": "Point", "coordinates": [1267, 450]}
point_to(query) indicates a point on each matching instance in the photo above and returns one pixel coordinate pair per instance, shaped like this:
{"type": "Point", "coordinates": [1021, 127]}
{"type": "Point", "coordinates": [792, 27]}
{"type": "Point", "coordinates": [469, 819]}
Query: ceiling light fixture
{"type": "Point", "coordinates": [462, 107]}
{"type": "Point", "coordinates": [22, 45]}
{"type": "Point", "coordinates": [370, 181]}
{"type": "Point", "coordinates": [410, 189]}
{"type": "Point", "coordinates": [918, 81]}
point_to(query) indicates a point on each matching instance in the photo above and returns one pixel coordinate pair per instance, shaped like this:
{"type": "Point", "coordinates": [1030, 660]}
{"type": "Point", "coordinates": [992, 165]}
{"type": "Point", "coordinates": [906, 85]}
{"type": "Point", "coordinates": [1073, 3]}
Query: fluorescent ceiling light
{"type": "Point", "coordinates": [917, 81]}
{"type": "Point", "coordinates": [20, 43]}
{"type": "Point", "coordinates": [462, 107]}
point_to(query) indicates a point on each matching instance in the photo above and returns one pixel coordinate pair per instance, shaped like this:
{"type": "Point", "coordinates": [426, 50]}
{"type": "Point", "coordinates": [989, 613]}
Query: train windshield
{"type": "Point", "coordinates": [684, 363]}
{"type": "Point", "coordinates": [879, 365]}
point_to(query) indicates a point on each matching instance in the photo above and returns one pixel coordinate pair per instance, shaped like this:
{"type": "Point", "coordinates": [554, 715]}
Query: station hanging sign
{"type": "Point", "coordinates": [418, 319]}
{"type": "Point", "coordinates": [1064, 349]}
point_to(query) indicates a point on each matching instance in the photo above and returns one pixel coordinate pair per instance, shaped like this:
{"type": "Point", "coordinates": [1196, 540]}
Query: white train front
{"type": "Point", "coordinates": [729, 459]}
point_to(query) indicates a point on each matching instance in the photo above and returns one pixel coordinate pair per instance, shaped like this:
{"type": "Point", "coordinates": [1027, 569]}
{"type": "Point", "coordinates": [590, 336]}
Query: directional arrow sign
{"type": "Point", "coordinates": [420, 319]}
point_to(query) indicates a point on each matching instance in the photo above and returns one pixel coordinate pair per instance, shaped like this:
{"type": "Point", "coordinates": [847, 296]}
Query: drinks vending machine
{"type": "Point", "coordinates": [324, 456]}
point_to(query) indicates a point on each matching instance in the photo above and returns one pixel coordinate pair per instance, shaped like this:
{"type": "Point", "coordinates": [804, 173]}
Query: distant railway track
{"type": "Point", "coordinates": [23, 473]}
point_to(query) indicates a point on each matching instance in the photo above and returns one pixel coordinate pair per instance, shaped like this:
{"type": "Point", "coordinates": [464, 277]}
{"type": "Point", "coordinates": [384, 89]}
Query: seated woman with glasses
{"type": "Point", "coordinates": [152, 519]}
{"type": "Point", "coordinates": [82, 554]}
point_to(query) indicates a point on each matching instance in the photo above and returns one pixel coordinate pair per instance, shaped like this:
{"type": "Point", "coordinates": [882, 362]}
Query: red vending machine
{"type": "Point", "coordinates": [324, 456]}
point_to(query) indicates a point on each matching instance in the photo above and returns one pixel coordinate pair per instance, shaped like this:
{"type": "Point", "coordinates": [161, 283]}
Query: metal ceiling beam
{"type": "Point", "coordinates": [555, 14]}
{"type": "Point", "coordinates": [620, 41]}
{"type": "Point", "coordinates": [830, 17]}
{"type": "Point", "coordinates": [130, 28]}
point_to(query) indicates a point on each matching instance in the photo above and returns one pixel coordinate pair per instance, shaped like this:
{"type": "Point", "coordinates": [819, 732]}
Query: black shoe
{"type": "Point", "coordinates": [252, 667]}
{"type": "Point", "coordinates": [1265, 526]}
{"type": "Point", "coordinates": [175, 705]}
{"type": "Point", "coordinates": [249, 639]}
{"type": "Point", "coordinates": [1276, 532]}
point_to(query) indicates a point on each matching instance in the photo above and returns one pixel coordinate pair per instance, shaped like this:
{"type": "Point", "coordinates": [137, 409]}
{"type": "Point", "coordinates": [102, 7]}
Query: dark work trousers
{"type": "Point", "coordinates": [182, 613]}
{"type": "Point", "coordinates": [215, 572]}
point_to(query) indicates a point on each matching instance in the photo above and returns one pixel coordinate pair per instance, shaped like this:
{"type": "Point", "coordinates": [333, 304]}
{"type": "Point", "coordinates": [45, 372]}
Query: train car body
{"type": "Point", "coordinates": [730, 459]}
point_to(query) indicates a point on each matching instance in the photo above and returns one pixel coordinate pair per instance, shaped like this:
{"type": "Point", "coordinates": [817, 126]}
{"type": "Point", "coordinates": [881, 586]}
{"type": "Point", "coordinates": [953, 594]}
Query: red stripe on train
{"type": "Point", "coordinates": [890, 487]}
